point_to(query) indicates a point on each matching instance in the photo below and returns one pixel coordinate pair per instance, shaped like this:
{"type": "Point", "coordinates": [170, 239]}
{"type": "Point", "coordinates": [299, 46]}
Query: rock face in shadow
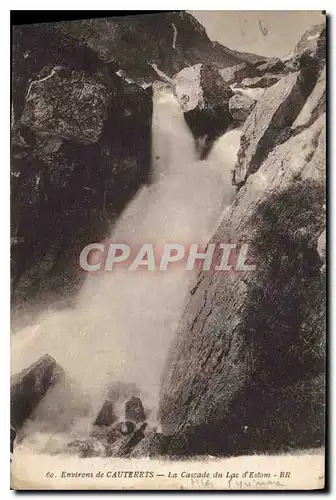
{"type": "Point", "coordinates": [106, 415]}
{"type": "Point", "coordinates": [245, 372]}
{"type": "Point", "coordinates": [30, 386]}
{"type": "Point", "coordinates": [154, 445]}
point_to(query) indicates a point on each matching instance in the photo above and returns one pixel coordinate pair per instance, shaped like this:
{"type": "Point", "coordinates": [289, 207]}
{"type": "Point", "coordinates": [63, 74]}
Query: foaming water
{"type": "Point", "coordinates": [123, 323]}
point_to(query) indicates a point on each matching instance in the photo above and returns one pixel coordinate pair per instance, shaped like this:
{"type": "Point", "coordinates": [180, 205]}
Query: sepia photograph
{"type": "Point", "coordinates": [168, 250]}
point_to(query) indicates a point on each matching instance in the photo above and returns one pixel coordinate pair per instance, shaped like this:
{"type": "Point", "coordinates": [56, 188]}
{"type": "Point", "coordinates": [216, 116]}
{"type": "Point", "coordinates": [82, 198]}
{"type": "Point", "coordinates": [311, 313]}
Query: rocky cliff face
{"type": "Point", "coordinates": [246, 371]}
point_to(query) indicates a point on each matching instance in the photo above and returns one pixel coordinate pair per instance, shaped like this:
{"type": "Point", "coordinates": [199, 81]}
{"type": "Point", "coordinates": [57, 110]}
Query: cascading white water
{"type": "Point", "coordinates": [124, 321]}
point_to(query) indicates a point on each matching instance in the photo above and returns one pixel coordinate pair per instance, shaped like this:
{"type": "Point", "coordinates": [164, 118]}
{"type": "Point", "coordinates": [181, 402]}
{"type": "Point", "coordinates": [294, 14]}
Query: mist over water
{"type": "Point", "coordinates": [123, 323]}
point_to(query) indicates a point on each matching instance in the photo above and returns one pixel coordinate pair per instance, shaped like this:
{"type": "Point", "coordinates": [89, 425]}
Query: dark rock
{"type": "Point", "coordinates": [86, 448]}
{"type": "Point", "coordinates": [106, 415]}
{"type": "Point", "coordinates": [154, 445]}
{"type": "Point", "coordinates": [261, 81]}
{"type": "Point", "coordinates": [134, 410]}
{"type": "Point", "coordinates": [204, 98]}
{"type": "Point", "coordinates": [71, 104]}
{"type": "Point", "coordinates": [121, 391]}
{"type": "Point", "coordinates": [238, 72]}
{"type": "Point", "coordinates": [119, 430]}
{"type": "Point", "coordinates": [278, 108]}
{"type": "Point", "coordinates": [29, 386]}
{"type": "Point", "coordinates": [272, 65]}
{"type": "Point", "coordinates": [170, 40]}
{"type": "Point", "coordinates": [240, 107]}
{"type": "Point", "coordinates": [126, 427]}
{"type": "Point", "coordinates": [246, 370]}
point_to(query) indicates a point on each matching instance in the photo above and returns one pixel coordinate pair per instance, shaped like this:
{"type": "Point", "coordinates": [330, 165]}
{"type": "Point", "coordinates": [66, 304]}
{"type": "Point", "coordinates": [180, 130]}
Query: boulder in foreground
{"type": "Point", "coordinates": [29, 386]}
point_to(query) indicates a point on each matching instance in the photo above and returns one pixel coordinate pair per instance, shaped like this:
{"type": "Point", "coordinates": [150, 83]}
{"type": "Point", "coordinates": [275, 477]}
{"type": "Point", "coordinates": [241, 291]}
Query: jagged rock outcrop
{"type": "Point", "coordinates": [204, 98]}
{"type": "Point", "coordinates": [123, 446]}
{"type": "Point", "coordinates": [29, 386]}
{"type": "Point", "coordinates": [81, 148]}
{"type": "Point", "coordinates": [170, 40]}
{"type": "Point", "coordinates": [240, 107]}
{"type": "Point", "coordinates": [106, 415]}
{"type": "Point", "coordinates": [134, 410]}
{"type": "Point", "coordinates": [277, 110]}
{"type": "Point", "coordinates": [245, 372]}
{"type": "Point", "coordinates": [81, 134]}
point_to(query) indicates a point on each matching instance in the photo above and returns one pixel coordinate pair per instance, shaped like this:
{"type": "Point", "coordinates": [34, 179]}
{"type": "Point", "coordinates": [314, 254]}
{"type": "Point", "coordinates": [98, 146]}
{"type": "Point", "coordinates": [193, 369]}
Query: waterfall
{"type": "Point", "coordinates": [123, 323]}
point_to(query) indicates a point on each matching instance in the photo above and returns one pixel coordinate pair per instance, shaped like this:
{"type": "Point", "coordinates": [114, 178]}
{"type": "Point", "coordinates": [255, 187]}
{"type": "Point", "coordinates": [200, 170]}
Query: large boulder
{"type": "Point", "coordinates": [71, 104]}
{"type": "Point", "coordinates": [275, 111]}
{"type": "Point", "coordinates": [29, 387]}
{"type": "Point", "coordinates": [240, 107]}
{"type": "Point", "coordinates": [134, 410]}
{"type": "Point", "coordinates": [204, 98]}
